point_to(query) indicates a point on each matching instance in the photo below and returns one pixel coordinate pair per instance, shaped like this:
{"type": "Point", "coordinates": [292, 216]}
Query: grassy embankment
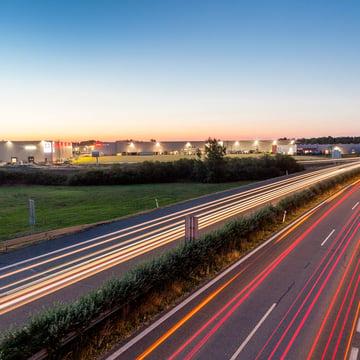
{"type": "Point", "coordinates": [62, 206]}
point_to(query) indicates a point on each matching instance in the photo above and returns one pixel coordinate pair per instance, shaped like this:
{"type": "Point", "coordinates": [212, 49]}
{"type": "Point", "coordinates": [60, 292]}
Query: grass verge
{"type": "Point", "coordinates": [63, 206]}
{"type": "Point", "coordinates": [151, 287]}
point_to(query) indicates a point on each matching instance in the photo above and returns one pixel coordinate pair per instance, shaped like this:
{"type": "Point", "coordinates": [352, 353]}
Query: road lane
{"type": "Point", "coordinates": [275, 304]}
{"type": "Point", "coordinates": [30, 278]}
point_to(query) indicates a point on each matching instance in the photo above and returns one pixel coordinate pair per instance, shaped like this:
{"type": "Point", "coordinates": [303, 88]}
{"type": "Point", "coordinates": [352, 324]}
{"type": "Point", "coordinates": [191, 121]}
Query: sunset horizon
{"type": "Point", "coordinates": [185, 70]}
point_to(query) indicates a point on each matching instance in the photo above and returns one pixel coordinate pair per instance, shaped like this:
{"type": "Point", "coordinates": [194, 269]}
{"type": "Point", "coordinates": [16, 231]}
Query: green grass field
{"type": "Point", "coordinates": [58, 207]}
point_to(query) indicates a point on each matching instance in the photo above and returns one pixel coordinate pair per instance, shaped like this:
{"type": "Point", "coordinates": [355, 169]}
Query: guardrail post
{"type": "Point", "coordinates": [284, 216]}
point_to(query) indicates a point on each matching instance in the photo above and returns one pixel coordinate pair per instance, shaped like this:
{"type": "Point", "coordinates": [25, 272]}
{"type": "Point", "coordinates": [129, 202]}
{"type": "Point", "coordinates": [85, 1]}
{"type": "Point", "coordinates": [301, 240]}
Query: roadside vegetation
{"type": "Point", "coordinates": [63, 206]}
{"type": "Point", "coordinates": [210, 170]}
{"type": "Point", "coordinates": [126, 303]}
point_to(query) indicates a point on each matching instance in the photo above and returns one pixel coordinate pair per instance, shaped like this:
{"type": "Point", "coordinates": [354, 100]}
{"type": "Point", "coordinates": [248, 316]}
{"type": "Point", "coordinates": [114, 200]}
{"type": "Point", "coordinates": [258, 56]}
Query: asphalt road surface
{"type": "Point", "coordinates": [65, 268]}
{"type": "Point", "coordinates": [295, 297]}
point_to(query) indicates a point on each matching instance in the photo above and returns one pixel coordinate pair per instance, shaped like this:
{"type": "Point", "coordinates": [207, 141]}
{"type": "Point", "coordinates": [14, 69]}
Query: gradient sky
{"type": "Point", "coordinates": [175, 69]}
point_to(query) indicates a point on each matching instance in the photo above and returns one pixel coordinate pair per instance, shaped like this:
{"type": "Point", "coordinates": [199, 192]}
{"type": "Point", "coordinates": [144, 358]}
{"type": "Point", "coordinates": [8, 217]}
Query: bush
{"type": "Point", "coordinates": [228, 169]}
{"type": "Point", "coordinates": [189, 259]}
{"type": "Point", "coordinates": [32, 178]}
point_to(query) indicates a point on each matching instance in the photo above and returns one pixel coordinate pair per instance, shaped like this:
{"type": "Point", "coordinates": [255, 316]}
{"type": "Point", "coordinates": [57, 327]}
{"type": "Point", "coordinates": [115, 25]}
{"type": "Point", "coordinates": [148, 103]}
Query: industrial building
{"type": "Point", "coordinates": [328, 149]}
{"type": "Point", "coordinates": [43, 152]}
{"type": "Point", "coordinates": [132, 147]}
{"type": "Point", "coordinates": [40, 152]}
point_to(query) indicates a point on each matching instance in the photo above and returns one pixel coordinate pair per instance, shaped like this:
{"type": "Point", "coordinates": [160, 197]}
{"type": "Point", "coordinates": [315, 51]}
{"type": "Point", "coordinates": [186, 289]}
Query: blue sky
{"type": "Point", "coordinates": [179, 69]}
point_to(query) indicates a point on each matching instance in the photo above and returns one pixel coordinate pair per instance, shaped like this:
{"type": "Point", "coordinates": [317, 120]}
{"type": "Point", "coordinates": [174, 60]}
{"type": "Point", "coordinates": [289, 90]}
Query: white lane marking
{"type": "Point", "coordinates": [328, 237]}
{"type": "Point", "coordinates": [354, 207]}
{"type": "Point", "coordinates": [354, 353]}
{"type": "Point", "coordinates": [358, 326]}
{"type": "Point", "coordinates": [177, 308]}
{"type": "Point", "coordinates": [242, 346]}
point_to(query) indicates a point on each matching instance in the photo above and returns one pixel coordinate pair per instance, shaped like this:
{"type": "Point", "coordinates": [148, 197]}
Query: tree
{"type": "Point", "coordinates": [215, 160]}
{"type": "Point", "coordinates": [214, 150]}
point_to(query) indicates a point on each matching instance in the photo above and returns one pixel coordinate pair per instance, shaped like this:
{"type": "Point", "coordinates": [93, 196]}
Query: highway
{"type": "Point", "coordinates": [326, 161]}
{"type": "Point", "coordinates": [296, 296]}
{"type": "Point", "coordinates": [65, 268]}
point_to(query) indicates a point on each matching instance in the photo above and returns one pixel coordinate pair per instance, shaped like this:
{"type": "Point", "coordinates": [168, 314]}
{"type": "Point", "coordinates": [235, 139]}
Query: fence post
{"type": "Point", "coordinates": [32, 216]}
{"type": "Point", "coordinates": [284, 217]}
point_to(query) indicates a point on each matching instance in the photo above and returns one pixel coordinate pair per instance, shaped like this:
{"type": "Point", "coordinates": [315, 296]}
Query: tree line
{"type": "Point", "coordinates": [330, 140]}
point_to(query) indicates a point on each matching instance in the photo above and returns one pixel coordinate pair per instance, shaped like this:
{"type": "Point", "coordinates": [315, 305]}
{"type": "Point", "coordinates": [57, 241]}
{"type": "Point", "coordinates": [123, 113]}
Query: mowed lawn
{"type": "Point", "coordinates": [61, 206]}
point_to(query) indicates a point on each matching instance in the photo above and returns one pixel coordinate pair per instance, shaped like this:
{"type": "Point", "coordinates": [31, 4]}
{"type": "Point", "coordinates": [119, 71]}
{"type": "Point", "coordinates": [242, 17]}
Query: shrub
{"type": "Point", "coordinates": [32, 178]}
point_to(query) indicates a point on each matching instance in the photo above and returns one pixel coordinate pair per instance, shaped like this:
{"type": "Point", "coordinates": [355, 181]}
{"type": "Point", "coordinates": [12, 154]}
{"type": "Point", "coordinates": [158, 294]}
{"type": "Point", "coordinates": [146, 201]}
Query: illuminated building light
{"type": "Point", "coordinates": [274, 142]}
{"type": "Point", "coordinates": [47, 147]}
{"type": "Point", "coordinates": [158, 144]}
{"type": "Point", "coordinates": [30, 147]}
{"type": "Point", "coordinates": [256, 142]}
{"type": "Point", "coordinates": [188, 145]}
{"type": "Point", "coordinates": [237, 143]}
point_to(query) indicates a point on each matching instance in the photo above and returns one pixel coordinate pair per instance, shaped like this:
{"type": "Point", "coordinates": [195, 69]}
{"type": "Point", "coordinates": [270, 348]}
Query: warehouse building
{"type": "Point", "coordinates": [192, 147]}
{"type": "Point", "coordinates": [132, 147]}
{"type": "Point", "coordinates": [90, 146]}
{"type": "Point", "coordinates": [328, 149]}
{"type": "Point", "coordinates": [38, 152]}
